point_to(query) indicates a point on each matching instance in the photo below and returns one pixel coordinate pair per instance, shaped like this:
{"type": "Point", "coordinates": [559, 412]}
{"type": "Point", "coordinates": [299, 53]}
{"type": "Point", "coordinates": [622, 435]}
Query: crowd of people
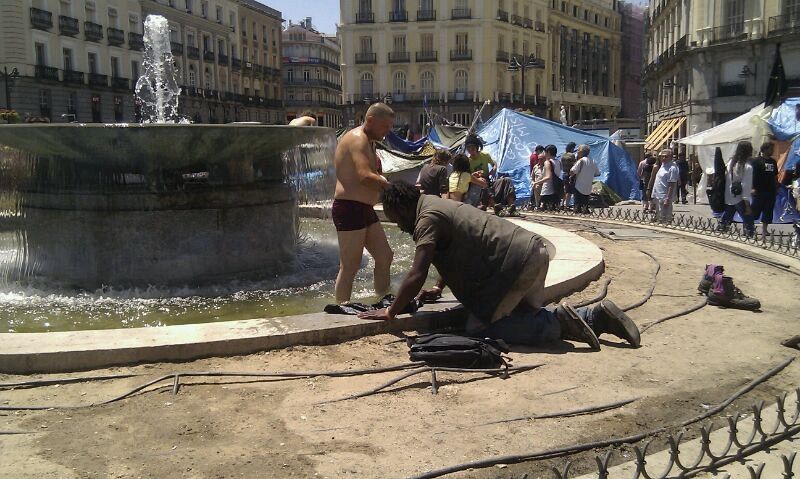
{"type": "Point", "coordinates": [562, 181]}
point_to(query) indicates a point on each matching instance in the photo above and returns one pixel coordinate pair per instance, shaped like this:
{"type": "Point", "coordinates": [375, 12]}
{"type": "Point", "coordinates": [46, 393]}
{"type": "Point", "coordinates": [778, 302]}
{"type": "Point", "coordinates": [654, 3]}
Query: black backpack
{"type": "Point", "coordinates": [449, 350]}
{"type": "Point", "coordinates": [558, 183]}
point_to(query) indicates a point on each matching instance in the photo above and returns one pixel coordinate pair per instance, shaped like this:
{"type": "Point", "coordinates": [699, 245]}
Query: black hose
{"type": "Point", "coordinates": [682, 312]}
{"type": "Point", "coordinates": [741, 253]}
{"type": "Point", "coordinates": [48, 382]}
{"type": "Point", "coordinates": [571, 413]}
{"type": "Point", "coordinates": [600, 296]}
{"type": "Point", "coordinates": [568, 450]}
{"type": "Point", "coordinates": [649, 293]}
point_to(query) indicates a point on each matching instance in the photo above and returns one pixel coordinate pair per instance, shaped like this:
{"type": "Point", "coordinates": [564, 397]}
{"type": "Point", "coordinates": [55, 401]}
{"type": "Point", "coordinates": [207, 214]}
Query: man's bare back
{"type": "Point", "coordinates": [355, 157]}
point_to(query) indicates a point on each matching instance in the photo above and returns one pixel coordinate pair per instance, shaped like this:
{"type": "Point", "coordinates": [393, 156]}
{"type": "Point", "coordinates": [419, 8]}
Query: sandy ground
{"type": "Point", "coordinates": [226, 428]}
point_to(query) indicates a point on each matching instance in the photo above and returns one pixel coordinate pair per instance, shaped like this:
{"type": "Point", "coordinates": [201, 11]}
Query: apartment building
{"type": "Point", "coordinates": [586, 54]}
{"type": "Point", "coordinates": [78, 60]}
{"type": "Point", "coordinates": [443, 57]}
{"type": "Point", "coordinates": [709, 62]}
{"type": "Point", "coordinates": [75, 60]}
{"type": "Point", "coordinates": [312, 73]}
{"type": "Point", "coordinates": [633, 40]}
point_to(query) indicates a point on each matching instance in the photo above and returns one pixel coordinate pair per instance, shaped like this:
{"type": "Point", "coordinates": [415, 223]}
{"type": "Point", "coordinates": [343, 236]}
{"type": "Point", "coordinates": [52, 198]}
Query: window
{"type": "Point", "coordinates": [426, 42]}
{"type": "Point", "coordinates": [366, 44]}
{"type": "Point", "coordinates": [462, 118]}
{"type": "Point", "coordinates": [118, 116]}
{"type": "Point", "coordinates": [426, 5]}
{"type": "Point", "coordinates": [67, 54]}
{"type": "Point", "coordinates": [189, 5]}
{"type": "Point", "coordinates": [366, 85]}
{"type": "Point", "coordinates": [306, 76]}
{"type": "Point", "coordinates": [135, 70]}
{"type": "Point", "coordinates": [462, 81]}
{"type": "Point", "coordinates": [733, 12]}
{"type": "Point", "coordinates": [400, 43]}
{"type": "Point", "coordinates": [133, 24]}
{"type": "Point", "coordinates": [65, 8]}
{"type": "Point", "coordinates": [398, 5]}
{"type": "Point", "coordinates": [113, 19]}
{"type": "Point", "coordinates": [426, 81]}
{"type": "Point", "coordinates": [219, 14]}
{"type": "Point", "coordinates": [204, 9]}
{"type": "Point", "coordinates": [563, 7]}
{"type": "Point", "coordinates": [574, 11]}
{"type": "Point", "coordinates": [791, 8]}
{"type": "Point", "coordinates": [232, 20]}
{"type": "Point", "coordinates": [190, 39]}
{"type": "Point", "coordinates": [290, 75]}
{"type": "Point", "coordinates": [501, 43]}
{"type": "Point", "coordinates": [399, 83]}
{"type": "Point", "coordinates": [115, 67]}
{"type": "Point", "coordinates": [462, 42]}
{"type": "Point", "coordinates": [41, 54]}
{"type": "Point", "coordinates": [44, 103]}
{"type": "Point", "coordinates": [91, 14]}
{"type": "Point", "coordinates": [365, 6]}
{"type": "Point", "coordinates": [207, 80]}
{"type": "Point", "coordinates": [92, 62]}
{"type": "Point", "coordinates": [264, 34]}
{"type": "Point", "coordinates": [72, 102]}
{"type": "Point", "coordinates": [461, 5]}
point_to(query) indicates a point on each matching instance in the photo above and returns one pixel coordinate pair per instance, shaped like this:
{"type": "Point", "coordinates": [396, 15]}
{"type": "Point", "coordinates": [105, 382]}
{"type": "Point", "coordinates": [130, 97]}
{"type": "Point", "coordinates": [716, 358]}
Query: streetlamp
{"type": "Point", "coordinates": [533, 63]}
{"type": "Point", "coordinates": [7, 77]}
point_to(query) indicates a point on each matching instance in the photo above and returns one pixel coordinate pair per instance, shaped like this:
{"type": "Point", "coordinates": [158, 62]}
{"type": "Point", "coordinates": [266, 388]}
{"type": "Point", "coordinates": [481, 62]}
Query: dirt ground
{"type": "Point", "coordinates": [231, 428]}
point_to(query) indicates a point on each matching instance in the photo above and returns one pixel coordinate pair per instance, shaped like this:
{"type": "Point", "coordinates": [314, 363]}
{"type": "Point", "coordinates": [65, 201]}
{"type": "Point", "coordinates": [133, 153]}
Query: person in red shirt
{"type": "Point", "coordinates": [539, 150]}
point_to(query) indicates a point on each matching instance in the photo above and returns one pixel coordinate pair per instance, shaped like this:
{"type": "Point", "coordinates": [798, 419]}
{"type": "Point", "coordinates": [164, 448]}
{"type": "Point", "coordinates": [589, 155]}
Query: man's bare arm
{"type": "Point", "coordinates": [361, 153]}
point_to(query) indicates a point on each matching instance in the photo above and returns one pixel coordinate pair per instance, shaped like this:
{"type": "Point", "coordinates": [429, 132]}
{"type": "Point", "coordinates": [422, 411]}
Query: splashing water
{"type": "Point", "coordinates": [157, 89]}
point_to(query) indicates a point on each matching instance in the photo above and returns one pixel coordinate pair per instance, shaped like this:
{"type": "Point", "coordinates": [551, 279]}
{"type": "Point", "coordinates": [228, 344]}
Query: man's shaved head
{"type": "Point", "coordinates": [380, 110]}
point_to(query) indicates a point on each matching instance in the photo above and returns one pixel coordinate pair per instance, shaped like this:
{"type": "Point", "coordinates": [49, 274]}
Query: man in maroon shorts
{"type": "Point", "coordinates": [358, 188]}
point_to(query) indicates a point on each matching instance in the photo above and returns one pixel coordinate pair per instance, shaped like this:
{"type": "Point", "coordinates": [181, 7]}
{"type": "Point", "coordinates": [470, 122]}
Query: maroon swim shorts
{"type": "Point", "coordinates": [349, 215]}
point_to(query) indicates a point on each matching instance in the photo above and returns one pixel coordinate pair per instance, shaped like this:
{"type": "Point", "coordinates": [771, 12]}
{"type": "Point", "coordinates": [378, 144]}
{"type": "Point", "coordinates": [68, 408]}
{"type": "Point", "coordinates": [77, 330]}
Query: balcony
{"type": "Point", "coordinates": [539, 26]}
{"type": "Point", "coordinates": [516, 20]}
{"type": "Point", "coordinates": [456, 96]}
{"type": "Point", "coordinates": [176, 48]}
{"type": "Point", "coordinates": [209, 56]}
{"type": "Point", "coordinates": [365, 17]}
{"type": "Point", "coordinates": [72, 76]}
{"type": "Point", "coordinates": [96, 79]}
{"type": "Point", "coordinates": [116, 37]}
{"type": "Point", "coordinates": [728, 33]}
{"type": "Point", "coordinates": [427, 56]}
{"type": "Point", "coordinates": [135, 41]}
{"type": "Point", "coordinates": [461, 13]}
{"type": "Point", "coordinates": [426, 15]}
{"type": "Point", "coordinates": [41, 19]}
{"type": "Point", "coordinates": [682, 45]}
{"type": "Point", "coordinates": [236, 64]}
{"type": "Point", "coordinates": [398, 16]}
{"type": "Point", "coordinates": [502, 15]}
{"type": "Point", "coordinates": [193, 52]}
{"type": "Point", "coordinates": [732, 89]}
{"type": "Point", "coordinates": [222, 59]}
{"type": "Point", "coordinates": [527, 23]}
{"type": "Point", "coordinates": [366, 58]}
{"type": "Point", "coordinates": [46, 73]}
{"type": "Point", "coordinates": [313, 83]}
{"type": "Point", "coordinates": [323, 104]}
{"type": "Point", "coordinates": [502, 56]}
{"type": "Point", "coordinates": [399, 57]}
{"type": "Point", "coordinates": [119, 83]}
{"type": "Point", "coordinates": [92, 32]}
{"type": "Point", "coordinates": [460, 55]}
{"type": "Point", "coordinates": [68, 26]}
{"type": "Point", "coordinates": [784, 24]}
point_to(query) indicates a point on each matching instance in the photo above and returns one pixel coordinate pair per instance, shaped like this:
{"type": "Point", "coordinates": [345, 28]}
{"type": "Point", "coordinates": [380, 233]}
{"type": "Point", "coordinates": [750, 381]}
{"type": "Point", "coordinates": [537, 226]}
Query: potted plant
{"type": "Point", "coordinates": [9, 116]}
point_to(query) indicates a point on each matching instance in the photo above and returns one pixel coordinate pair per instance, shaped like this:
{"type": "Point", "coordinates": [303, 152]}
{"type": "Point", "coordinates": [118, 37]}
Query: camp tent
{"type": "Point", "coordinates": [510, 137]}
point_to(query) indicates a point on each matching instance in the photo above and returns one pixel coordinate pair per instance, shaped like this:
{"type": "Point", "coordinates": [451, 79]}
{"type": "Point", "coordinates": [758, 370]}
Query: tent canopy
{"type": "Point", "coordinates": [511, 136]}
{"type": "Point", "coordinates": [784, 121]}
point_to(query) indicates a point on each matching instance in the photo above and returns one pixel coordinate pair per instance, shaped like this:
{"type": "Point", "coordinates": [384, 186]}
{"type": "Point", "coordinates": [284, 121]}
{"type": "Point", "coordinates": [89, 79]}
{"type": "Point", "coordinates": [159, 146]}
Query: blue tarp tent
{"type": "Point", "coordinates": [510, 137]}
{"type": "Point", "coordinates": [394, 142]}
{"type": "Point", "coordinates": [783, 121]}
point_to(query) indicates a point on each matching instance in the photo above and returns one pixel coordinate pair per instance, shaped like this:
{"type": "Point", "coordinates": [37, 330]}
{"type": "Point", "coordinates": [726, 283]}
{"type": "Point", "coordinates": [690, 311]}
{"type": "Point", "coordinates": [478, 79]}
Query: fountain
{"type": "Point", "coordinates": [157, 203]}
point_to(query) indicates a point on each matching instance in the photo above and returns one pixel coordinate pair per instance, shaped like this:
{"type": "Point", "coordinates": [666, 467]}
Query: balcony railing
{"type": "Point", "coordinates": [502, 56]}
{"type": "Point", "coordinates": [324, 104]}
{"type": "Point", "coordinates": [527, 23]}
{"type": "Point", "coordinates": [516, 20]}
{"type": "Point", "coordinates": [398, 16]}
{"type": "Point", "coordinates": [461, 13]}
{"type": "Point", "coordinates": [116, 37]}
{"type": "Point", "coordinates": [426, 15]}
{"type": "Point", "coordinates": [176, 48]}
{"type": "Point", "coordinates": [68, 26]}
{"type": "Point", "coordinates": [682, 44]}
{"type": "Point", "coordinates": [135, 41]}
{"type": "Point", "coordinates": [502, 15]}
{"type": "Point", "coordinates": [399, 57]}
{"type": "Point", "coordinates": [93, 32]}
{"type": "Point", "coordinates": [459, 96]}
{"type": "Point", "coordinates": [456, 55]}
{"type": "Point", "coordinates": [72, 76]}
{"type": "Point", "coordinates": [732, 89]}
{"type": "Point", "coordinates": [96, 79]}
{"type": "Point", "coordinates": [539, 26]}
{"type": "Point", "coordinates": [46, 73]}
{"type": "Point", "coordinates": [193, 52]}
{"type": "Point", "coordinates": [726, 33]}
{"type": "Point", "coordinates": [222, 59]}
{"type": "Point", "coordinates": [41, 19]}
{"type": "Point", "coordinates": [783, 24]}
{"type": "Point", "coordinates": [365, 17]}
{"type": "Point", "coordinates": [236, 64]}
{"type": "Point", "coordinates": [119, 83]}
{"type": "Point", "coordinates": [365, 58]}
{"type": "Point", "coordinates": [427, 56]}
{"type": "Point", "coordinates": [208, 56]}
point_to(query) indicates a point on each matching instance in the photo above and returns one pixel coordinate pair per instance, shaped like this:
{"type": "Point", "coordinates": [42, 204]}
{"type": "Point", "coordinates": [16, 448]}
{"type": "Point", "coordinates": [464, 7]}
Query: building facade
{"type": "Point", "coordinates": [586, 53]}
{"type": "Point", "coordinates": [312, 74]}
{"type": "Point", "coordinates": [633, 40]}
{"type": "Point", "coordinates": [75, 60]}
{"type": "Point", "coordinates": [443, 57]}
{"type": "Point", "coordinates": [709, 62]}
{"type": "Point", "coordinates": [79, 60]}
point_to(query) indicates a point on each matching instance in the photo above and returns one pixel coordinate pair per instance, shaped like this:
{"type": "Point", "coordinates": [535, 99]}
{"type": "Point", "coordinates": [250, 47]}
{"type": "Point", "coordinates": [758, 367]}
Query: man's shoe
{"type": "Point", "coordinates": [724, 293]}
{"type": "Point", "coordinates": [512, 210]}
{"type": "Point", "coordinates": [708, 277]}
{"type": "Point", "coordinates": [498, 209]}
{"type": "Point", "coordinates": [608, 318]}
{"type": "Point", "coordinates": [574, 328]}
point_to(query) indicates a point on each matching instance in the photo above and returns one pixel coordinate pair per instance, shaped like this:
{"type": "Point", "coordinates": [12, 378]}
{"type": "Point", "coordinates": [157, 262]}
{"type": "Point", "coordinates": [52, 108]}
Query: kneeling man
{"type": "Point", "coordinates": [494, 268]}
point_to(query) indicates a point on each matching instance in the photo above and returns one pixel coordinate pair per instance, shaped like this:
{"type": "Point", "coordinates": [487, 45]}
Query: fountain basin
{"type": "Point", "coordinates": [138, 205]}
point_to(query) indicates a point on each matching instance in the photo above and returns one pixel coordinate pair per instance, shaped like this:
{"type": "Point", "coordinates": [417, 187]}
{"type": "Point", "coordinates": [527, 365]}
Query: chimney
{"type": "Point", "coordinates": [308, 23]}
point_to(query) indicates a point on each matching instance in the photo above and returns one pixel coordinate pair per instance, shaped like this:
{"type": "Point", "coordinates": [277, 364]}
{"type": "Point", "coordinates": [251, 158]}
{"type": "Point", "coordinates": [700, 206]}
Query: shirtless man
{"type": "Point", "coordinates": [307, 118]}
{"type": "Point", "coordinates": [358, 188]}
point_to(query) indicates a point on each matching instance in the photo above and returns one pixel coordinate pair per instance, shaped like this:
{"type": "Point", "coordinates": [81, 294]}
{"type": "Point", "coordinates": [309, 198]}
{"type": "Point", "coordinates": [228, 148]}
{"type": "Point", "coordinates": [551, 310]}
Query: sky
{"type": "Point", "coordinates": [324, 13]}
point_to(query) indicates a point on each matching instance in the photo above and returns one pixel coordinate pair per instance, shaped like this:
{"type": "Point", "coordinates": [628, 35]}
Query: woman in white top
{"type": "Point", "coordinates": [738, 185]}
{"type": "Point", "coordinates": [551, 195]}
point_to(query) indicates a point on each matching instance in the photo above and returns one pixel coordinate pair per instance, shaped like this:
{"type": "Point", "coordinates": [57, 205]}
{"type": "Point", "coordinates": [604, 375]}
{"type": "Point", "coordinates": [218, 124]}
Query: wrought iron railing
{"type": "Point", "coordinates": [135, 41]}
{"type": "Point", "coordinates": [68, 25]}
{"type": "Point", "coordinates": [783, 24]}
{"type": "Point", "coordinates": [427, 56]}
{"type": "Point", "coordinates": [461, 13]}
{"type": "Point", "coordinates": [363, 58]}
{"type": "Point", "coordinates": [426, 15]}
{"type": "Point", "coordinates": [46, 73]}
{"type": "Point", "coordinates": [92, 32]}
{"type": "Point", "coordinates": [456, 55]}
{"type": "Point", "coordinates": [116, 37]}
{"type": "Point", "coordinates": [398, 16]}
{"type": "Point", "coordinates": [502, 15]}
{"type": "Point", "coordinates": [399, 57]}
{"type": "Point", "coordinates": [41, 19]}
